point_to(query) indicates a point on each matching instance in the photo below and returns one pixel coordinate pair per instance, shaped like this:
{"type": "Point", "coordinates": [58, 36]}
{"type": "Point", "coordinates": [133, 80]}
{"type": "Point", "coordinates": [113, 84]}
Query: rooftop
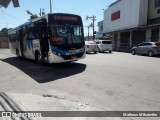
{"type": "Point", "coordinates": [114, 3]}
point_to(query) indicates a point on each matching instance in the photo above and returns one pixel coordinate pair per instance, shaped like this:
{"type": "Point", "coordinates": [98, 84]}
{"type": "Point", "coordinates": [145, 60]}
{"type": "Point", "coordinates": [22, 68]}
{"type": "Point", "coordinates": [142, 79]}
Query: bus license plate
{"type": "Point", "coordinates": [74, 57]}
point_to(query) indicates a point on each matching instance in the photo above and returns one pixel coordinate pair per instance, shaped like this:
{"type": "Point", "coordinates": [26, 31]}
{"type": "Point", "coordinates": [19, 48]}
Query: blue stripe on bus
{"type": "Point", "coordinates": [30, 43]}
{"type": "Point", "coordinates": [62, 52]}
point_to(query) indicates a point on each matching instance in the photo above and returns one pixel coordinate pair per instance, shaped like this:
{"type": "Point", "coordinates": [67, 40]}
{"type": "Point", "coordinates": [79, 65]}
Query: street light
{"type": "Point", "coordinates": [51, 6]}
{"type": "Point", "coordinates": [88, 27]}
{"type": "Point", "coordinates": [92, 18]}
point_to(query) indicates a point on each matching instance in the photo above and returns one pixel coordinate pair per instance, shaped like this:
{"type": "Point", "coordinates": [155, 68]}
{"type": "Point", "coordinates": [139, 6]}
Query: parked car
{"type": "Point", "coordinates": [91, 46]}
{"type": "Point", "coordinates": [104, 45]}
{"type": "Point", "coordinates": [147, 48]}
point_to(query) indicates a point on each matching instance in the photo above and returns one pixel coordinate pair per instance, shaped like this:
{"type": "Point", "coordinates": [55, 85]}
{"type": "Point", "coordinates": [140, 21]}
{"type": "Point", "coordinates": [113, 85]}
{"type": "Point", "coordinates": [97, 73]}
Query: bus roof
{"type": "Point", "coordinates": [39, 18]}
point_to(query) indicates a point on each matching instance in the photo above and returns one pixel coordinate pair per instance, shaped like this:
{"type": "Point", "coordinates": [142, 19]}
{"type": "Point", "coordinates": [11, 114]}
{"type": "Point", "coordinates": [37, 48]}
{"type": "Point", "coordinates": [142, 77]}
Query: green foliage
{"type": "Point", "coordinates": [33, 16]}
{"type": "Point", "coordinates": [4, 32]}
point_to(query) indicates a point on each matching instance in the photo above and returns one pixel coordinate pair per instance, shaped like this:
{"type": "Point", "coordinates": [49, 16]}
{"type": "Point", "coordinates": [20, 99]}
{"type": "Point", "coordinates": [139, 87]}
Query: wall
{"type": "Point", "coordinates": [133, 13]}
{"type": "Point", "coordinates": [4, 42]}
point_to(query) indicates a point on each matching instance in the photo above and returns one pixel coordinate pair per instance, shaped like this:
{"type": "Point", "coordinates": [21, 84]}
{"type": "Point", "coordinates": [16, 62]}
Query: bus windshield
{"type": "Point", "coordinates": [66, 35]}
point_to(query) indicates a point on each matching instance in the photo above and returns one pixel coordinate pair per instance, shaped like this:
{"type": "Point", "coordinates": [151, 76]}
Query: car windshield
{"type": "Point", "coordinates": [106, 42]}
{"type": "Point", "coordinates": [90, 42]}
{"type": "Point", "coordinates": [67, 34]}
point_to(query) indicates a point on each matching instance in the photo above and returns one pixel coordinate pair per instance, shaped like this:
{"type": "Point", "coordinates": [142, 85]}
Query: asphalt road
{"type": "Point", "coordinates": [115, 82]}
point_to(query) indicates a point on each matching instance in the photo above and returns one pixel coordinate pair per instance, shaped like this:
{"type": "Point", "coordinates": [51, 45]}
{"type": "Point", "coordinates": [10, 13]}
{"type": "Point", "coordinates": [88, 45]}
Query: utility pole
{"type": "Point", "coordinates": [42, 12]}
{"type": "Point", "coordinates": [88, 27]}
{"type": "Point", "coordinates": [7, 26]}
{"type": "Point", "coordinates": [51, 6]}
{"type": "Point", "coordinates": [88, 32]}
{"type": "Point", "coordinates": [93, 18]}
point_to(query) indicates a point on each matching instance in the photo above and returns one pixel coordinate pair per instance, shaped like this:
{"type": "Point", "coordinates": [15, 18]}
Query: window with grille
{"type": "Point", "coordinates": [157, 3]}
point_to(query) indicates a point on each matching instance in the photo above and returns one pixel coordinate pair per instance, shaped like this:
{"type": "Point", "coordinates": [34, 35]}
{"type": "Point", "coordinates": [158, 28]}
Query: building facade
{"type": "Point", "coordinates": [131, 22]}
{"type": "Point", "coordinates": [4, 42]}
{"type": "Point", "coordinates": [154, 12]}
{"type": "Point", "coordinates": [99, 33]}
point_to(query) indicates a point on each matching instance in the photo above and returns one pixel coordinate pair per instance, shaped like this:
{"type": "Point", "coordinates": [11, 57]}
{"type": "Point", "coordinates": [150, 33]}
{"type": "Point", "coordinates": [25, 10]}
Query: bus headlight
{"type": "Point", "coordinates": [56, 53]}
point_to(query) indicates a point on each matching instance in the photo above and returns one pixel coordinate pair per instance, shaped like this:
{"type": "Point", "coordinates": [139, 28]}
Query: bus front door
{"type": "Point", "coordinates": [20, 42]}
{"type": "Point", "coordinates": [44, 39]}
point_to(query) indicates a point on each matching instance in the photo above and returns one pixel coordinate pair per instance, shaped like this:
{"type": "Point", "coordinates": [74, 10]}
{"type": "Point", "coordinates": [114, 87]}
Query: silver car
{"type": "Point", "coordinates": [147, 48]}
{"type": "Point", "coordinates": [91, 46]}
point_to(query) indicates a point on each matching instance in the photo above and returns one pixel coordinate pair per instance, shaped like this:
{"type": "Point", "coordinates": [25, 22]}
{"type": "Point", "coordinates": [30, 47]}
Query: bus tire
{"type": "Point", "coordinates": [38, 57]}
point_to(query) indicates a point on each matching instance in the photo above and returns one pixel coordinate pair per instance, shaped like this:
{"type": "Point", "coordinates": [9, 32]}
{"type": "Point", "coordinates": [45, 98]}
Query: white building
{"type": "Point", "coordinates": [125, 14]}
{"type": "Point", "coordinates": [129, 22]}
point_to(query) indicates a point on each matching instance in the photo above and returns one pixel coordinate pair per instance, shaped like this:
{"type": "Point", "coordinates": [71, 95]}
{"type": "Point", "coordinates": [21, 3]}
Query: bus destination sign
{"type": "Point", "coordinates": [69, 18]}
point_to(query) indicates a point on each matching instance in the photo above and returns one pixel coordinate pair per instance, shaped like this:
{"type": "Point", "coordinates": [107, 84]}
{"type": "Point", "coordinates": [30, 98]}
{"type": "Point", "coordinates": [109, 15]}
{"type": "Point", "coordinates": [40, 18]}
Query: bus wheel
{"type": "Point", "coordinates": [38, 58]}
{"type": "Point", "coordinates": [67, 63]}
{"type": "Point", "coordinates": [17, 53]}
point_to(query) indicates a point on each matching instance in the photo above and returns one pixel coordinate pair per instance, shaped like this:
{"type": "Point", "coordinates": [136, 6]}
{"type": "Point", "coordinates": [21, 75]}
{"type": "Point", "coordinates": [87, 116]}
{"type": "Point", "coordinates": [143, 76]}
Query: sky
{"type": "Point", "coordinates": [12, 17]}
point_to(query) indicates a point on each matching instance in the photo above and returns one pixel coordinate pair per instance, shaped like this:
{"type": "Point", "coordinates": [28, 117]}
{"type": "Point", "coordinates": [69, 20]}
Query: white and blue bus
{"type": "Point", "coordinates": [53, 38]}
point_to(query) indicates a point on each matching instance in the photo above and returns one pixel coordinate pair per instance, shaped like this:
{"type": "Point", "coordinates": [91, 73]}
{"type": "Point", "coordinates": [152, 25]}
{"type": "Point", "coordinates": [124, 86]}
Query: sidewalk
{"type": "Point", "coordinates": [4, 52]}
{"type": "Point", "coordinates": [31, 102]}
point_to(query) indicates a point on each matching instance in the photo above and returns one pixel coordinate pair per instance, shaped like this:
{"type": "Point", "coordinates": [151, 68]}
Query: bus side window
{"type": "Point", "coordinates": [32, 36]}
{"type": "Point", "coordinates": [34, 31]}
{"type": "Point", "coordinates": [12, 39]}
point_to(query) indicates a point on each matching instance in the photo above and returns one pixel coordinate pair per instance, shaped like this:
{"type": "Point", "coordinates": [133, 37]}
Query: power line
{"type": "Point", "coordinates": [36, 5]}
{"type": "Point", "coordinates": [13, 17]}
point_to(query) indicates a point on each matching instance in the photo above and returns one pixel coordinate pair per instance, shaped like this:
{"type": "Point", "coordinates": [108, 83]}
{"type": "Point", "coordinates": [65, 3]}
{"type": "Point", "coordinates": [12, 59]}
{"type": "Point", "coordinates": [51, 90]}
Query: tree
{"type": "Point", "coordinates": [33, 16]}
{"type": "Point", "coordinates": [4, 30]}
